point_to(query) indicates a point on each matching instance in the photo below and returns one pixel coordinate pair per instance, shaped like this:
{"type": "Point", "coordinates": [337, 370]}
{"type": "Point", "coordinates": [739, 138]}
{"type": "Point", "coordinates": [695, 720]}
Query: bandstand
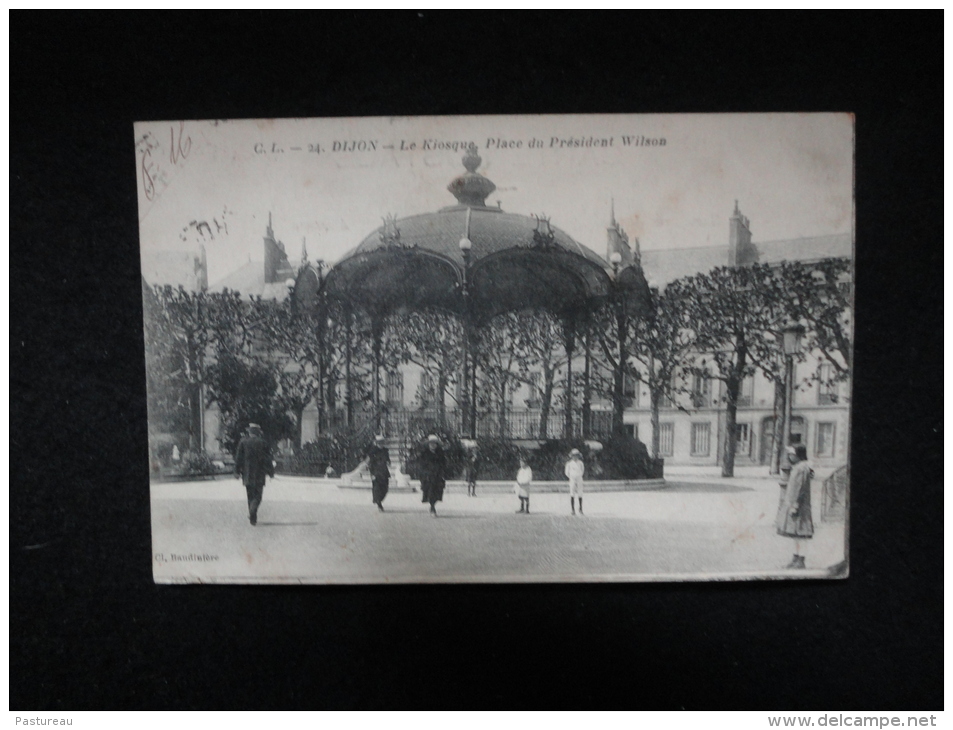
{"type": "Point", "coordinates": [474, 262]}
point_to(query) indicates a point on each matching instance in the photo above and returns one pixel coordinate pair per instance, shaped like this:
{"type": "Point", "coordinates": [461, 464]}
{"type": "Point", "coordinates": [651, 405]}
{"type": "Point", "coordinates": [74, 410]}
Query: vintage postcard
{"type": "Point", "coordinates": [498, 349]}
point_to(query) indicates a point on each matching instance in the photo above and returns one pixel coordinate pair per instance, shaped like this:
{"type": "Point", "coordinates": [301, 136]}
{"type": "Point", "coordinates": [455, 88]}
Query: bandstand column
{"type": "Point", "coordinates": [570, 337]}
{"type": "Point", "coordinates": [473, 383]}
{"type": "Point", "coordinates": [319, 398]}
{"type": "Point", "coordinates": [348, 390]}
{"type": "Point", "coordinates": [377, 333]}
{"type": "Point", "coordinates": [586, 387]}
{"type": "Point", "coordinates": [469, 356]}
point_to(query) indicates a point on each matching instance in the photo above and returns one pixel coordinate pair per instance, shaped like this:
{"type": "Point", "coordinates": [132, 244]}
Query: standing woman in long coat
{"type": "Point", "coordinates": [431, 466]}
{"type": "Point", "coordinates": [794, 512]}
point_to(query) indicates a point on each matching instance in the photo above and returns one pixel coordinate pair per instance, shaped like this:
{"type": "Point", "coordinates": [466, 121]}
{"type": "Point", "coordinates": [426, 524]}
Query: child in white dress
{"type": "Point", "coordinates": [524, 479]}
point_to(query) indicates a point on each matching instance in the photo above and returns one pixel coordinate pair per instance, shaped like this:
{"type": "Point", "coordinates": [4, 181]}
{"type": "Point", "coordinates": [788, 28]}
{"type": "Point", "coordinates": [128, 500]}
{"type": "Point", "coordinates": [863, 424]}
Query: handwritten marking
{"type": "Point", "coordinates": [148, 184]}
{"type": "Point", "coordinates": [179, 150]}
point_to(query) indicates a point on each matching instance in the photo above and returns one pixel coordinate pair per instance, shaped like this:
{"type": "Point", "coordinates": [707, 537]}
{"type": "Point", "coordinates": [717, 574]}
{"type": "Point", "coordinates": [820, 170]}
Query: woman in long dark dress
{"type": "Point", "coordinates": [378, 463]}
{"type": "Point", "coordinates": [431, 465]}
{"type": "Point", "coordinates": [794, 511]}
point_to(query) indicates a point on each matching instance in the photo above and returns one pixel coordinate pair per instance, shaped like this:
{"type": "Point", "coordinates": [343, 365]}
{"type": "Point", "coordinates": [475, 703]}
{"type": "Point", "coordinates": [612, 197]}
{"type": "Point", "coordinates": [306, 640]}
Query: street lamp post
{"type": "Point", "coordinates": [791, 345]}
{"type": "Point", "coordinates": [469, 360]}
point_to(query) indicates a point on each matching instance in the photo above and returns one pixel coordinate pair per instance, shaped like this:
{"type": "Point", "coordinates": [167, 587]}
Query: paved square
{"type": "Point", "coordinates": [309, 530]}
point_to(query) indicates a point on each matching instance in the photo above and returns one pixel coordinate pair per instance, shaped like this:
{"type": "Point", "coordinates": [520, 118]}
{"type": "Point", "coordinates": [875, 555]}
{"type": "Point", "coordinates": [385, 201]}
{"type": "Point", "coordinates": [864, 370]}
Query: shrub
{"type": "Point", "coordinates": [340, 451]}
{"type": "Point", "coordinates": [549, 460]}
{"type": "Point", "coordinates": [312, 459]}
{"type": "Point", "coordinates": [197, 463]}
{"type": "Point", "coordinates": [499, 459]}
{"type": "Point", "coordinates": [625, 457]}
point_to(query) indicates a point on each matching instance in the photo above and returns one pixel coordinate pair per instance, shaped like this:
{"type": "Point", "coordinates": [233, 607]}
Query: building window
{"type": "Point", "coordinates": [825, 439]}
{"type": "Point", "coordinates": [827, 388]}
{"type": "Point", "coordinates": [630, 391]}
{"type": "Point", "coordinates": [743, 439]}
{"type": "Point", "coordinates": [668, 397]}
{"type": "Point", "coordinates": [746, 392]}
{"type": "Point", "coordinates": [666, 439]}
{"type": "Point", "coordinates": [535, 392]}
{"type": "Point", "coordinates": [395, 388]}
{"type": "Point", "coordinates": [427, 391]}
{"type": "Point", "coordinates": [701, 391]}
{"type": "Point", "coordinates": [701, 439]}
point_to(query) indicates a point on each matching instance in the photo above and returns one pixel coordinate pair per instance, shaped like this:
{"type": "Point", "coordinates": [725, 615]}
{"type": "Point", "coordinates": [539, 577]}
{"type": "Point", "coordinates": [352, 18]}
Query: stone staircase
{"type": "Point", "coordinates": [360, 478]}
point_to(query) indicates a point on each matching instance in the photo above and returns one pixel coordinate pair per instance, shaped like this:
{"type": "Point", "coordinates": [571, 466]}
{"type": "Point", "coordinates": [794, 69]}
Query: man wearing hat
{"type": "Point", "coordinates": [575, 468]}
{"type": "Point", "coordinates": [378, 462]}
{"type": "Point", "coordinates": [252, 462]}
{"type": "Point", "coordinates": [431, 466]}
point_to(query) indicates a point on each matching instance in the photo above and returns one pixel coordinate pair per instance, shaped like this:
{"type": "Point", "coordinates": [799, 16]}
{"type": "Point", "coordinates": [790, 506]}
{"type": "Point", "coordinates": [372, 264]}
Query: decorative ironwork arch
{"type": "Point", "coordinates": [474, 262]}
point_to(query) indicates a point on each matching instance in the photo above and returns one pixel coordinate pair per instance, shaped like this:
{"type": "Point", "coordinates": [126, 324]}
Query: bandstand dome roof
{"type": "Point", "coordinates": [515, 261]}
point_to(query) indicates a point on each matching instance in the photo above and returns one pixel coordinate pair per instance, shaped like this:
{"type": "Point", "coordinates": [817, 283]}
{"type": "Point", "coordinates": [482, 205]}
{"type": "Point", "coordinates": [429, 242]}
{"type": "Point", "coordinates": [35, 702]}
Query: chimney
{"type": "Point", "coordinates": [740, 250]}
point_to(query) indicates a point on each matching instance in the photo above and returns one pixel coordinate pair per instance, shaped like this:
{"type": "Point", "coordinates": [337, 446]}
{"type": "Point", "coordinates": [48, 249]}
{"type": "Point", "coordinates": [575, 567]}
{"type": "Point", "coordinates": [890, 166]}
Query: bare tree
{"type": "Point", "coordinates": [662, 342]}
{"type": "Point", "coordinates": [731, 310]}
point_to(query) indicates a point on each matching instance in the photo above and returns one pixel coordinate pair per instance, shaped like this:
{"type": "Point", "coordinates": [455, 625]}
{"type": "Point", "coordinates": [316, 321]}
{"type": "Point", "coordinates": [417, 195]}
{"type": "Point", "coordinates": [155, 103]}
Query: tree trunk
{"type": "Point", "coordinates": [377, 332]}
{"type": "Point", "coordinates": [299, 427]}
{"type": "Point", "coordinates": [546, 403]}
{"type": "Point", "coordinates": [733, 385]}
{"type": "Point", "coordinates": [503, 410]}
{"type": "Point", "coordinates": [464, 402]}
{"type": "Point", "coordinates": [195, 418]}
{"type": "Point", "coordinates": [733, 388]}
{"type": "Point", "coordinates": [319, 398]}
{"type": "Point", "coordinates": [618, 389]}
{"type": "Point", "coordinates": [441, 389]}
{"type": "Point", "coordinates": [330, 398]}
{"type": "Point", "coordinates": [777, 447]}
{"type": "Point", "coordinates": [348, 393]}
{"type": "Point", "coordinates": [655, 393]}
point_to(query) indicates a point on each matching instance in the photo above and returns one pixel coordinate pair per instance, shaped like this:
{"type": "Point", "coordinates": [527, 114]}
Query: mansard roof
{"type": "Point", "coordinates": [662, 266]}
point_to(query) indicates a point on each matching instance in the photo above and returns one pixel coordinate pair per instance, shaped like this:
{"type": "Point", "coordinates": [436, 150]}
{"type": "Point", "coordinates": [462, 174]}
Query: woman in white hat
{"type": "Point", "coordinates": [575, 469]}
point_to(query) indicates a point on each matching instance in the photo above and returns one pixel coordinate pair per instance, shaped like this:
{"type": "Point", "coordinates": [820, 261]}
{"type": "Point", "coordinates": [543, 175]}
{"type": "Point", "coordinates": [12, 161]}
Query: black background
{"type": "Point", "coordinates": [89, 629]}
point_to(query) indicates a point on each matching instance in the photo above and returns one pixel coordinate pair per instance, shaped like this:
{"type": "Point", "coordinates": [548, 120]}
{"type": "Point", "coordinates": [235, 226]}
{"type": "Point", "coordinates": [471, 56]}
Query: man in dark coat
{"type": "Point", "coordinates": [378, 463]}
{"type": "Point", "coordinates": [252, 462]}
{"type": "Point", "coordinates": [431, 466]}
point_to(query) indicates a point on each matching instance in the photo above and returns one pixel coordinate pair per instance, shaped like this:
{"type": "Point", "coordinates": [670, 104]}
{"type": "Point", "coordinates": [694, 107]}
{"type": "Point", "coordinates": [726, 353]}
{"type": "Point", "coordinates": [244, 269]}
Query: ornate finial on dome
{"type": "Point", "coordinates": [471, 160]}
{"type": "Point", "coordinates": [390, 233]}
{"type": "Point", "coordinates": [471, 188]}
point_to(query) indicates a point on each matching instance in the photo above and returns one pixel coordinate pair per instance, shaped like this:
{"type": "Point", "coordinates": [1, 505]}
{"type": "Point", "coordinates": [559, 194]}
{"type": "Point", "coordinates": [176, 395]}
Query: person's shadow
{"type": "Point", "coordinates": [287, 524]}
